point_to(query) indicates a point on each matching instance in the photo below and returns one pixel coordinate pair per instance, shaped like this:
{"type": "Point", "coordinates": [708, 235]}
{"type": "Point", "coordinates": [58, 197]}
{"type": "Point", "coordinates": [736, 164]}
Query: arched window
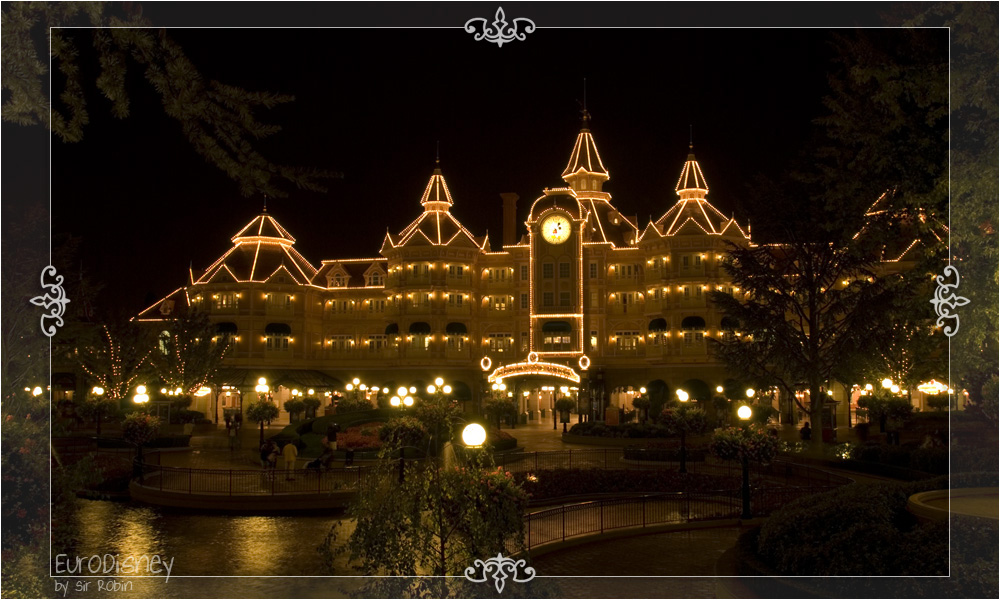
{"type": "Point", "coordinates": [277, 336]}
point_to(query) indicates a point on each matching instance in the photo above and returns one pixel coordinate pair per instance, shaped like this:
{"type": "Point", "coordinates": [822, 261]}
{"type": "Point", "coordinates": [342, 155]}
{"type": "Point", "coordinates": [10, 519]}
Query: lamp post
{"type": "Point", "coordinates": [682, 427]}
{"type": "Point", "coordinates": [744, 413]}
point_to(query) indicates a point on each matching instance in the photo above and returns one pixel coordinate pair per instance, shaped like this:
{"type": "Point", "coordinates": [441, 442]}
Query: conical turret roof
{"type": "Point", "coordinates": [436, 226]}
{"type": "Point", "coordinates": [260, 250]}
{"type": "Point", "coordinates": [585, 158]}
{"type": "Point", "coordinates": [693, 213]}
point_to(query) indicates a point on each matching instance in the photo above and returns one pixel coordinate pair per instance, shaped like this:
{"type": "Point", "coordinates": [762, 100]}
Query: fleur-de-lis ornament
{"type": "Point", "coordinates": [500, 32]}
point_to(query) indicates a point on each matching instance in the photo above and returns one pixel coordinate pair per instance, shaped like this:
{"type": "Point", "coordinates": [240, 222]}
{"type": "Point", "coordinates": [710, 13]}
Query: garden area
{"type": "Point", "coordinates": [867, 529]}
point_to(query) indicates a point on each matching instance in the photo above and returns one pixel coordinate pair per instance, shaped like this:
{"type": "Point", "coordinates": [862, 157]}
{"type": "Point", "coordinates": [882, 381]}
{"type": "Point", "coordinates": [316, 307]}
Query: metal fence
{"type": "Point", "coordinates": [279, 481]}
{"type": "Point", "coordinates": [587, 518]}
{"type": "Point", "coordinates": [779, 471]}
{"type": "Point", "coordinates": [251, 482]}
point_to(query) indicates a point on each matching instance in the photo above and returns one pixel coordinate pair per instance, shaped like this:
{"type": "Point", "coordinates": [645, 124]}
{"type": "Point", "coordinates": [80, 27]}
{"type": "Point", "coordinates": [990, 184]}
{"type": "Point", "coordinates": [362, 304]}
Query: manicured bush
{"type": "Point", "coordinates": [403, 431]}
{"type": "Point", "coordinates": [351, 404]}
{"type": "Point", "coordinates": [547, 484]}
{"type": "Point", "coordinates": [865, 530]}
{"type": "Point", "coordinates": [629, 430]}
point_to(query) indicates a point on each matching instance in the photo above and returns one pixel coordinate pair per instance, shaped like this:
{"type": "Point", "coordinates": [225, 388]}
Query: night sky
{"type": "Point", "coordinates": [373, 103]}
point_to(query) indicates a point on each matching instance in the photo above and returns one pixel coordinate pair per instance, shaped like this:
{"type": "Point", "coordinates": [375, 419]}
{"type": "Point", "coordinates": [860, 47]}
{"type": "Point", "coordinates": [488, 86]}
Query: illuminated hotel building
{"type": "Point", "coordinates": [586, 299]}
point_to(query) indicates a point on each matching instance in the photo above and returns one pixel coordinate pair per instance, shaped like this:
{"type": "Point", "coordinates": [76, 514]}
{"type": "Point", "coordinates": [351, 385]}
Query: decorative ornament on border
{"type": "Point", "coordinates": [532, 357]}
{"type": "Point", "coordinates": [500, 32]}
{"type": "Point", "coordinates": [500, 568]}
{"type": "Point", "coordinates": [54, 301]}
{"type": "Point", "coordinates": [945, 300]}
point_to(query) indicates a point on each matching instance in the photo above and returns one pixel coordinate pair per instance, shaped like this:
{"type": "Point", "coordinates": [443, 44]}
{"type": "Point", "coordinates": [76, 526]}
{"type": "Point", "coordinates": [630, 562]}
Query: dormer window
{"type": "Point", "coordinates": [375, 278]}
{"type": "Point", "coordinates": [338, 279]}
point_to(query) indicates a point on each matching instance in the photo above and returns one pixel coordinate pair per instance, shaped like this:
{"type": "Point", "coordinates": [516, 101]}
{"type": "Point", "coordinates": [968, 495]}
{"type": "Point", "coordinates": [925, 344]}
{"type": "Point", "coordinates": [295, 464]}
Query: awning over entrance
{"type": "Point", "coordinates": [392, 329]}
{"type": "Point", "coordinates": [657, 325]}
{"type": "Point", "coordinates": [247, 378]}
{"type": "Point", "coordinates": [557, 327]}
{"type": "Point", "coordinates": [534, 368]}
{"type": "Point", "coordinates": [278, 329]}
{"type": "Point", "coordinates": [226, 327]}
{"type": "Point", "coordinates": [693, 323]}
{"type": "Point", "coordinates": [456, 329]}
{"type": "Point", "coordinates": [420, 328]}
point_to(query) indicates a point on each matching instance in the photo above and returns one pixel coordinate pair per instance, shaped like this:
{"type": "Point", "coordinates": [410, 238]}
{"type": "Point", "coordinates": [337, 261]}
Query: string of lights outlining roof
{"type": "Point", "coordinates": [436, 226]}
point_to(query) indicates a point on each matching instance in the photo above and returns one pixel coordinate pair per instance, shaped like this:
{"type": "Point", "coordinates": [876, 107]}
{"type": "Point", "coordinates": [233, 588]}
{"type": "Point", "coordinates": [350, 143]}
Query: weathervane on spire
{"type": "Point", "coordinates": [586, 114]}
{"type": "Point", "coordinates": [690, 137]}
{"type": "Point", "coordinates": [265, 203]}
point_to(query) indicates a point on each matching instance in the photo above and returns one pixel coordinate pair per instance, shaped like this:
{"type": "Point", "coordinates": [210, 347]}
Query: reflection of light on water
{"type": "Point", "coordinates": [253, 541]}
{"type": "Point", "coordinates": [214, 544]}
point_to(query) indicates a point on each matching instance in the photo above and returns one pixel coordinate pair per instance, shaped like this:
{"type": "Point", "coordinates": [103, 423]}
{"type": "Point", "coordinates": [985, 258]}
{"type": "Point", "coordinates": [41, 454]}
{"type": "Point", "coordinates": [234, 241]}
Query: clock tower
{"type": "Point", "coordinates": [556, 275]}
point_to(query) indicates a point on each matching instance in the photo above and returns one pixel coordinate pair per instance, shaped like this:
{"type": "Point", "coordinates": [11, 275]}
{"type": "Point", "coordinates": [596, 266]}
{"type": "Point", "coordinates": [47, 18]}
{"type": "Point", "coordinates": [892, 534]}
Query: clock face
{"type": "Point", "coordinates": [556, 229]}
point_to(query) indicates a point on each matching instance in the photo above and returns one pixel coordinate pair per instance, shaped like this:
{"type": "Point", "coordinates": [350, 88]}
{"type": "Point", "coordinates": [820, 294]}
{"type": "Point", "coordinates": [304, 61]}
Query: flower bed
{"type": "Point", "coordinates": [360, 437]}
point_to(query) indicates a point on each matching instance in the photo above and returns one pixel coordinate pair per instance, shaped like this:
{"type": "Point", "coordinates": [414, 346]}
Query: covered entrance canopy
{"type": "Point", "coordinates": [247, 378]}
{"type": "Point", "coordinates": [534, 368]}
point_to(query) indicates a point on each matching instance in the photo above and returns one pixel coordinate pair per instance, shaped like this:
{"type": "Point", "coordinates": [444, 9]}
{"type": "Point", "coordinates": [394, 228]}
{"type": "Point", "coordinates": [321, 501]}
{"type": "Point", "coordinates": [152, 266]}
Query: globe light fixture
{"type": "Point", "coordinates": [311, 391]}
{"type": "Point", "coordinates": [642, 390]}
{"type": "Point", "coordinates": [408, 401]}
{"type": "Point", "coordinates": [682, 396]}
{"type": "Point", "coordinates": [718, 389]}
{"type": "Point", "coordinates": [262, 381]}
{"type": "Point", "coordinates": [385, 390]}
{"type": "Point", "coordinates": [474, 436]}
{"type": "Point", "coordinates": [362, 387]}
{"type": "Point", "coordinates": [887, 383]}
{"type": "Point", "coordinates": [163, 391]}
{"type": "Point", "coordinates": [401, 391]}
{"type": "Point", "coordinates": [295, 393]}
{"type": "Point", "coordinates": [140, 397]}
{"type": "Point", "coordinates": [431, 389]}
{"type": "Point", "coordinates": [394, 401]}
{"type": "Point", "coordinates": [869, 387]}
{"type": "Point", "coordinates": [261, 387]}
{"type": "Point", "coordinates": [502, 386]}
{"type": "Point", "coordinates": [439, 382]}
{"type": "Point", "coordinates": [355, 381]}
{"type": "Point", "coordinates": [744, 412]}
{"type": "Point", "coordinates": [894, 389]}
{"type": "Point", "coordinates": [98, 390]}
{"type": "Point", "coordinates": [446, 389]}
{"type": "Point", "coordinates": [37, 391]}
{"type": "Point", "coordinates": [413, 389]}
{"type": "Point", "coordinates": [349, 387]}
{"type": "Point", "coordinates": [750, 393]}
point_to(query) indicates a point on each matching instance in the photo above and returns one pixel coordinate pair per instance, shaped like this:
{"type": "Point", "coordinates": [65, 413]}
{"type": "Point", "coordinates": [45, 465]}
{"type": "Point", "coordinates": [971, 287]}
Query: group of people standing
{"type": "Point", "coordinates": [269, 457]}
{"type": "Point", "coordinates": [233, 425]}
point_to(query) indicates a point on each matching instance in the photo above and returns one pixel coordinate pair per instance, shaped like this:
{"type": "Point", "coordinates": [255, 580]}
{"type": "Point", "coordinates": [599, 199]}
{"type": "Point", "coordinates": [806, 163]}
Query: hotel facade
{"type": "Point", "coordinates": [587, 303]}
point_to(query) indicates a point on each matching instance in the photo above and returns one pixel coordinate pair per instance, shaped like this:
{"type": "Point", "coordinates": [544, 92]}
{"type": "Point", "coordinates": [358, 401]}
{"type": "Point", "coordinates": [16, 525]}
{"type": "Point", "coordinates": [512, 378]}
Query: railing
{"type": "Point", "coordinates": [251, 482]}
{"type": "Point", "coordinates": [233, 482]}
{"type": "Point", "coordinates": [597, 517]}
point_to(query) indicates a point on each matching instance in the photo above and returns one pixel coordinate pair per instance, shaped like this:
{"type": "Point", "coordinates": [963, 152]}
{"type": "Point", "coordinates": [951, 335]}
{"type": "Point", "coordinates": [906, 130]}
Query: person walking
{"type": "Point", "coordinates": [233, 438]}
{"type": "Point", "coordinates": [290, 453]}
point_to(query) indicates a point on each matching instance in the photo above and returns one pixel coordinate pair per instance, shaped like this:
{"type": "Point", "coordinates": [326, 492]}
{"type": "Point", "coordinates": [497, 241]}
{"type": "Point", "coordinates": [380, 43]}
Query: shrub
{"type": "Point", "coordinates": [752, 442]}
{"type": "Point", "coordinates": [139, 428]}
{"type": "Point", "coordinates": [351, 404]}
{"type": "Point", "coordinates": [557, 483]}
{"type": "Point", "coordinates": [565, 404]}
{"type": "Point", "coordinates": [293, 406]}
{"type": "Point", "coordinates": [403, 431]}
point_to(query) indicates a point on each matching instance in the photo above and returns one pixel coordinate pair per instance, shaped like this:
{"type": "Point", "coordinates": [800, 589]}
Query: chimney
{"type": "Point", "coordinates": [509, 218]}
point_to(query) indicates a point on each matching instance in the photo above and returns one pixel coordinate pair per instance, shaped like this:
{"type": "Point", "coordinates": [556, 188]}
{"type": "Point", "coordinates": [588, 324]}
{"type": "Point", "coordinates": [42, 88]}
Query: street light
{"type": "Point", "coordinates": [744, 413]}
{"type": "Point", "coordinates": [474, 436]}
{"type": "Point", "coordinates": [682, 396]}
{"type": "Point", "coordinates": [750, 393]}
{"type": "Point", "coordinates": [394, 401]}
{"type": "Point", "coordinates": [408, 401]}
{"type": "Point", "coordinates": [140, 397]}
{"type": "Point", "coordinates": [98, 390]}
{"type": "Point", "coordinates": [886, 383]}
{"type": "Point", "coordinates": [718, 389]}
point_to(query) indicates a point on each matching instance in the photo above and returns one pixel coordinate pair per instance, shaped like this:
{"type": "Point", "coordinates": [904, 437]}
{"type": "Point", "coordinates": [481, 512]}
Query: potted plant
{"type": "Point", "coordinates": [564, 405]}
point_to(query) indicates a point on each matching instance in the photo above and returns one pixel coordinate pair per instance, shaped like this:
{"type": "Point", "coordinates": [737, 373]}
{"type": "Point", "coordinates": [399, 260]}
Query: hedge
{"type": "Point", "coordinates": [865, 530]}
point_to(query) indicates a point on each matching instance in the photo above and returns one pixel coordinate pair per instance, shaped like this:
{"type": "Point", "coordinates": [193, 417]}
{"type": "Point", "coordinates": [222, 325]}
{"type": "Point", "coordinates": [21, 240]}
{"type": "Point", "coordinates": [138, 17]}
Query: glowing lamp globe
{"type": "Point", "coordinates": [408, 401]}
{"type": "Point", "coordinates": [869, 387]}
{"type": "Point", "coordinates": [262, 381]}
{"type": "Point", "coordinates": [887, 383]}
{"type": "Point", "coordinates": [163, 390]}
{"type": "Point", "coordinates": [474, 436]}
{"type": "Point", "coordinates": [446, 389]}
{"type": "Point", "coordinates": [682, 395]}
{"type": "Point", "coordinates": [718, 389]}
{"type": "Point", "coordinates": [413, 389]}
{"type": "Point", "coordinates": [355, 381]}
{"type": "Point", "coordinates": [401, 391]}
{"type": "Point", "coordinates": [750, 393]}
{"type": "Point", "coordinates": [642, 390]}
{"type": "Point", "coordinates": [744, 412]}
{"type": "Point", "coordinates": [894, 389]}
{"type": "Point", "coordinates": [431, 389]}
{"type": "Point", "coordinates": [394, 401]}
{"type": "Point", "coordinates": [138, 390]}
{"type": "Point", "coordinates": [37, 391]}
{"type": "Point", "coordinates": [439, 382]}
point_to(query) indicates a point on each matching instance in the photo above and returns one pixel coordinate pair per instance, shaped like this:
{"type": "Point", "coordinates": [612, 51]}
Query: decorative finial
{"type": "Point", "coordinates": [586, 113]}
{"type": "Point", "coordinates": [265, 203]}
{"type": "Point", "coordinates": [691, 138]}
{"type": "Point", "coordinates": [437, 154]}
